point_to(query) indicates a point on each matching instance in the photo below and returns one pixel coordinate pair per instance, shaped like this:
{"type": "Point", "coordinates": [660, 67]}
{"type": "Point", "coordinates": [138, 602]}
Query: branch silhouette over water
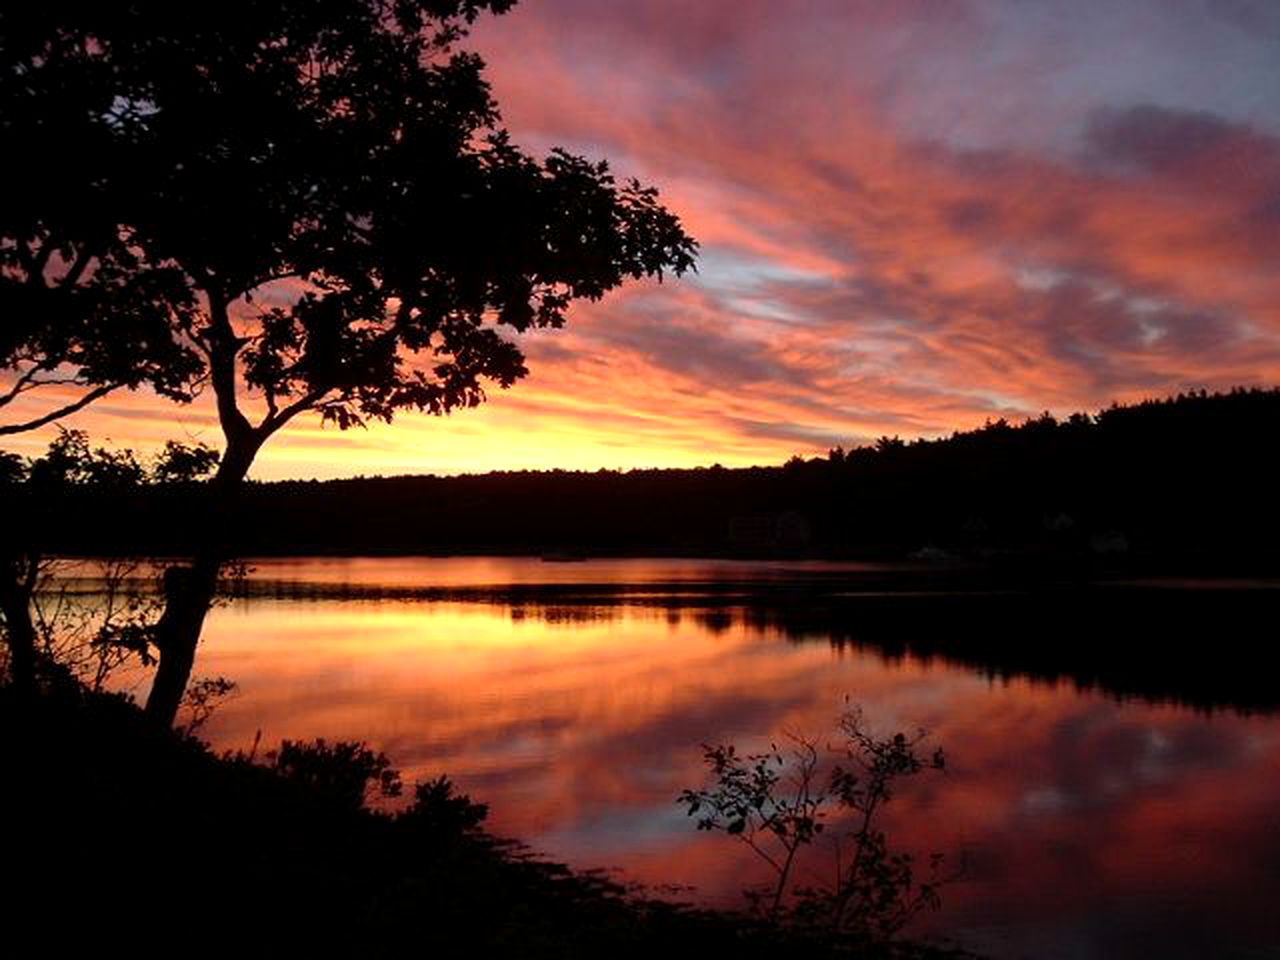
{"type": "Point", "coordinates": [784, 800]}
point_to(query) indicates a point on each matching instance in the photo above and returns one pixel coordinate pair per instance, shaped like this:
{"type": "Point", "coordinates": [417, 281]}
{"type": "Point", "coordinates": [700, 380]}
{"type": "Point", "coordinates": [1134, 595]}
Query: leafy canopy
{"type": "Point", "coordinates": [316, 201]}
{"type": "Point", "coordinates": [82, 303]}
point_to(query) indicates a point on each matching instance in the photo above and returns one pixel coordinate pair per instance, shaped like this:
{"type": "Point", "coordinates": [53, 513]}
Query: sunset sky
{"type": "Point", "coordinates": [913, 217]}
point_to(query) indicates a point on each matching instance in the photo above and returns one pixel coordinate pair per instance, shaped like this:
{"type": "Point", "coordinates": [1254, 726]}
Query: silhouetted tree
{"type": "Point", "coordinates": [333, 187]}
{"type": "Point", "coordinates": [84, 306]}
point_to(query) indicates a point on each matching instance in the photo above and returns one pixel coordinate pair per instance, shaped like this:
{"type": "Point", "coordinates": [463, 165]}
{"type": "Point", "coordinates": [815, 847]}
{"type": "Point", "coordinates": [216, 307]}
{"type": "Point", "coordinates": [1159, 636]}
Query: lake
{"type": "Point", "coordinates": [1113, 781]}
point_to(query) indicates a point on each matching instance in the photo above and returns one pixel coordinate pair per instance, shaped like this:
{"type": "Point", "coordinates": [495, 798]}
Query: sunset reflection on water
{"type": "Point", "coordinates": [1090, 826]}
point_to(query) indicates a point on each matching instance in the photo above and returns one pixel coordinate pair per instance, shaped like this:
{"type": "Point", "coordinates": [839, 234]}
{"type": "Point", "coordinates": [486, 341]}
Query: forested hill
{"type": "Point", "coordinates": [1189, 477]}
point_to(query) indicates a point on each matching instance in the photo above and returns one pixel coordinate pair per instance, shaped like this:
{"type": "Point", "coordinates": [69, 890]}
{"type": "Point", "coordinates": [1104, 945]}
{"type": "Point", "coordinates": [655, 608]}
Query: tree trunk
{"type": "Point", "coordinates": [190, 590]}
{"type": "Point", "coordinates": [20, 630]}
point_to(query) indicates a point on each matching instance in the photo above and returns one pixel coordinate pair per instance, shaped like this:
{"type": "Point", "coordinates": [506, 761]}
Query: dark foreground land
{"type": "Point", "coordinates": [127, 836]}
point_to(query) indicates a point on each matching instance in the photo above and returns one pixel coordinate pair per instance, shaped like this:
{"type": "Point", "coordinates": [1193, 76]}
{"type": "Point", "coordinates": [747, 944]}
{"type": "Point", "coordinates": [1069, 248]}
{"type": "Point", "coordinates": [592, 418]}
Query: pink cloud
{"type": "Point", "coordinates": [911, 221]}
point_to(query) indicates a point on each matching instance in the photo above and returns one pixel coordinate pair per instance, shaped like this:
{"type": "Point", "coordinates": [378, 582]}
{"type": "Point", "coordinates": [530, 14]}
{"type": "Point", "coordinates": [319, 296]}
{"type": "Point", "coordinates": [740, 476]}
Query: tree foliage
{"type": "Point", "coordinates": [86, 306]}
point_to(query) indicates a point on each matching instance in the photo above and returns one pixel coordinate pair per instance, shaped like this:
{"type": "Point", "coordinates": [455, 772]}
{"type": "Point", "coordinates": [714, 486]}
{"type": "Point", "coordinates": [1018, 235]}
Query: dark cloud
{"type": "Point", "coordinates": [662, 331]}
{"type": "Point", "coordinates": [1150, 138]}
{"type": "Point", "coordinates": [799, 435]}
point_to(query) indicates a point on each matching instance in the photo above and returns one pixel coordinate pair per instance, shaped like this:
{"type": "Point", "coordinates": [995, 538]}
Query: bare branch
{"type": "Point", "coordinates": [24, 383]}
{"type": "Point", "coordinates": [275, 421]}
{"type": "Point", "coordinates": [7, 429]}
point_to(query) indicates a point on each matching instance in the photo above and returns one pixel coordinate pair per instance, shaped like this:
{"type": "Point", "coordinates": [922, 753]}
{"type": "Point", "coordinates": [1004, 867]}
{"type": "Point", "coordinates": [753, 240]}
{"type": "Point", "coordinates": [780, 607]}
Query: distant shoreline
{"type": "Point", "coordinates": [1183, 487]}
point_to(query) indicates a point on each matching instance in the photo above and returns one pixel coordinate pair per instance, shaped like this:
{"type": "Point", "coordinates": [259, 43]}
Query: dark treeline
{"type": "Point", "coordinates": [1179, 481]}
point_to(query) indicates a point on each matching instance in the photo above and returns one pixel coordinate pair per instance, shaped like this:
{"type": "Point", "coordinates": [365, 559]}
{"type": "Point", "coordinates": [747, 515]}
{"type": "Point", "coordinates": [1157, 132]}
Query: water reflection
{"type": "Point", "coordinates": [1147, 640]}
{"type": "Point", "coordinates": [1096, 824]}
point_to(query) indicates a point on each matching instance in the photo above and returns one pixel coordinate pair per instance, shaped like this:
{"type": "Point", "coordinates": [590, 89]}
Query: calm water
{"type": "Point", "coordinates": [1102, 816]}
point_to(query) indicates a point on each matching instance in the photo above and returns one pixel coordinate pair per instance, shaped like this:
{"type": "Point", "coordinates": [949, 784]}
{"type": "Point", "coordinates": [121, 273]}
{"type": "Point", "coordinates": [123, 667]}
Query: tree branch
{"type": "Point", "coordinates": [24, 383]}
{"type": "Point", "coordinates": [274, 422]}
{"type": "Point", "coordinates": [78, 267]}
{"type": "Point", "coordinates": [10, 428]}
{"type": "Point", "coordinates": [223, 348]}
{"type": "Point", "coordinates": [37, 263]}
{"type": "Point", "coordinates": [768, 858]}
